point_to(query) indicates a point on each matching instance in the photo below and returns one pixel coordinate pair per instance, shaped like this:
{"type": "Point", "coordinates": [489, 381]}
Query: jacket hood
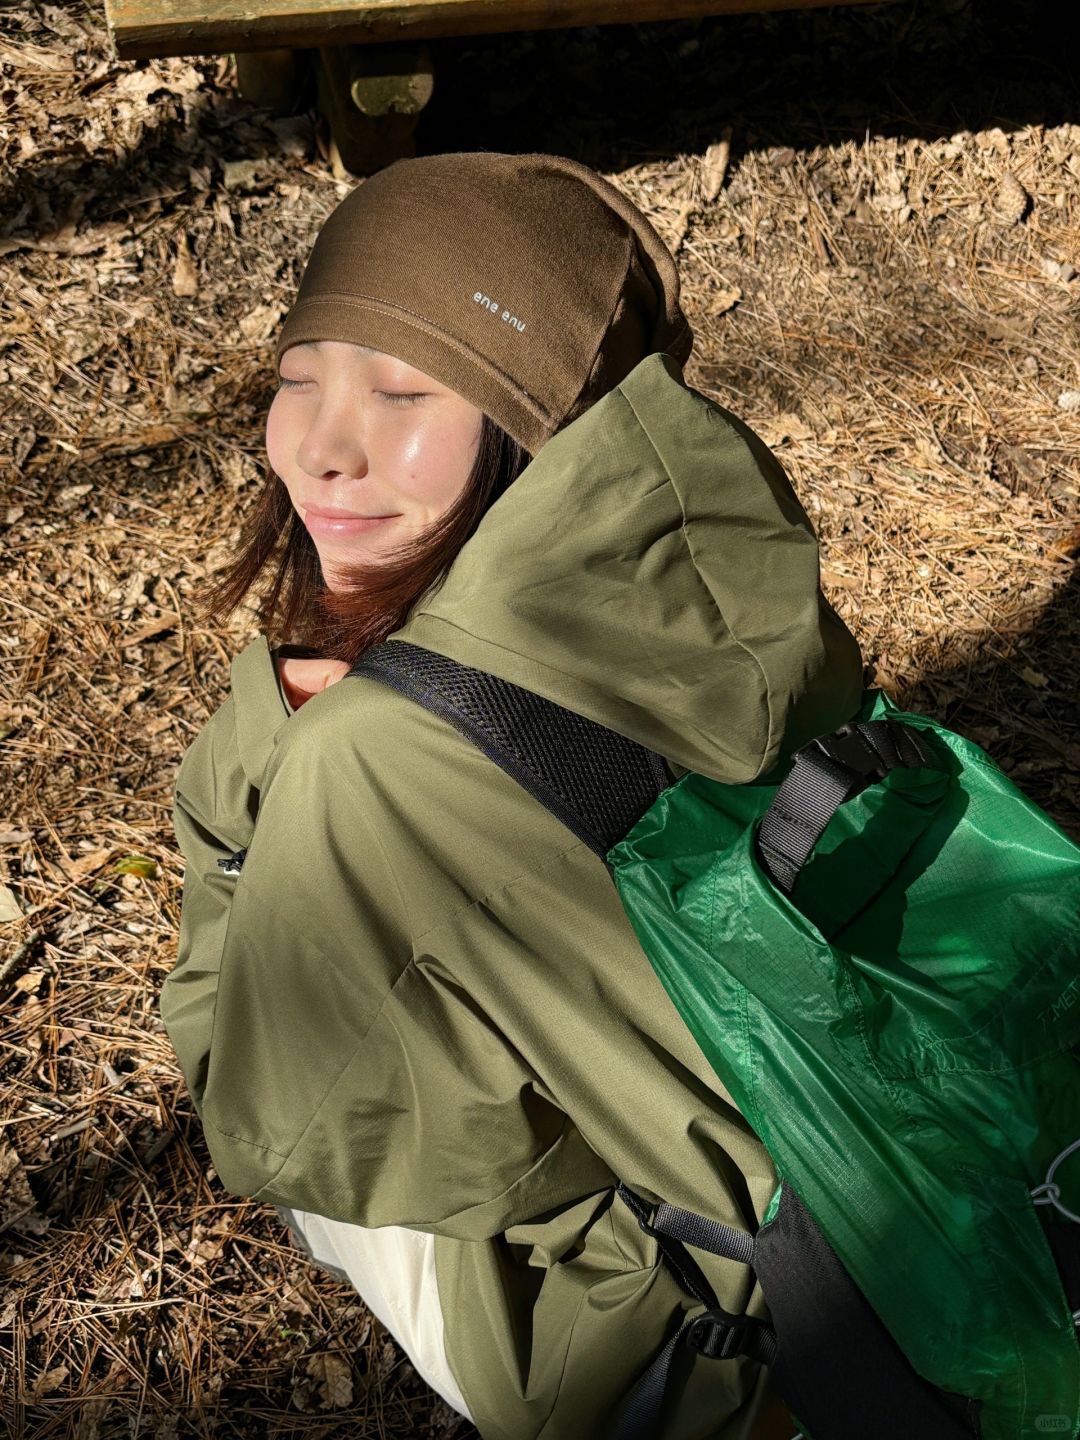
{"type": "Point", "coordinates": [652, 570]}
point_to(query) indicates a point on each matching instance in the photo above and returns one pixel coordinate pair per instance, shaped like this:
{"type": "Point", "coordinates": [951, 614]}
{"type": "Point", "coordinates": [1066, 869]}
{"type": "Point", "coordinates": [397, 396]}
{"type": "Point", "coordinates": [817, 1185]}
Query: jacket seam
{"type": "Point", "coordinates": [628, 1262]}
{"type": "Point", "coordinates": [210, 825]}
{"type": "Point", "coordinates": [288, 1155]}
{"type": "Point", "coordinates": [566, 1360]}
{"type": "Point", "coordinates": [531, 873]}
{"type": "Point", "coordinates": [284, 1157]}
{"type": "Point", "coordinates": [403, 906]}
{"type": "Point", "coordinates": [251, 1145]}
{"type": "Point", "coordinates": [329, 960]}
{"type": "Point", "coordinates": [411, 1222]}
{"type": "Point", "coordinates": [327, 1092]}
{"type": "Point", "coordinates": [495, 1199]}
{"type": "Point", "coordinates": [639, 1270]}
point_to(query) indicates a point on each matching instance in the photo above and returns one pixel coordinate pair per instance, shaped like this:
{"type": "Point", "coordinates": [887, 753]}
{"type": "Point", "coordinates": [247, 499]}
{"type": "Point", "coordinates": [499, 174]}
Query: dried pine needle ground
{"type": "Point", "coordinates": [877, 218]}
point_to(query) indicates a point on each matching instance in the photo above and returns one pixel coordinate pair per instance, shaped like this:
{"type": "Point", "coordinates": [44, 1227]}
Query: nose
{"type": "Point", "coordinates": [334, 443]}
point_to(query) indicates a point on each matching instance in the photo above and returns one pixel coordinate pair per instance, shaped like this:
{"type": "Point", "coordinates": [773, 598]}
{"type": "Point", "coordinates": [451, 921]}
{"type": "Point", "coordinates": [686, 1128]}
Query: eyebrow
{"type": "Point", "coordinates": [316, 344]}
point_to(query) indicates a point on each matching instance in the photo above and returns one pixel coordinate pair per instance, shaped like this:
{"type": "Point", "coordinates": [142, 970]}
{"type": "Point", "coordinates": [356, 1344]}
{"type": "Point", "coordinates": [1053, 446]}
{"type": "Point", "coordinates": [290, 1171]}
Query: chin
{"type": "Point", "coordinates": [334, 565]}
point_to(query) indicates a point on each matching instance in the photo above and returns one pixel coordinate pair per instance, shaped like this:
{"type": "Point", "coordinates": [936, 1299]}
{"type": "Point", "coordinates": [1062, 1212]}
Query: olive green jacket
{"type": "Point", "coordinates": [420, 1002]}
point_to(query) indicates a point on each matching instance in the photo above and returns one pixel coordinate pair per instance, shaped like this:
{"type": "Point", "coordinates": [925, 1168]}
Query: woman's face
{"type": "Point", "coordinates": [358, 432]}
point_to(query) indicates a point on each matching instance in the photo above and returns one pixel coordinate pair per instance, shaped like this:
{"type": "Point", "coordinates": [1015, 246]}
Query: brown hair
{"type": "Point", "coordinates": [373, 600]}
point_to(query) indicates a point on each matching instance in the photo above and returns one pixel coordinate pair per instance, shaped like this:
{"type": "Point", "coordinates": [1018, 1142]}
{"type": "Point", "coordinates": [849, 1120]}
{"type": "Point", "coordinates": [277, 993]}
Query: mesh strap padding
{"type": "Point", "coordinates": [597, 782]}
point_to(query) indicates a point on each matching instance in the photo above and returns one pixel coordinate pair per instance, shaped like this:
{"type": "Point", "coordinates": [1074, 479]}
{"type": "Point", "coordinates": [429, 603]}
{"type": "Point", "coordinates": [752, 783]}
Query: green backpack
{"type": "Point", "coordinates": [878, 950]}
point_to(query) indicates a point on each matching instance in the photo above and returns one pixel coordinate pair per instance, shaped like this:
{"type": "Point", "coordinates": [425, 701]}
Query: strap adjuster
{"type": "Point", "coordinates": [718, 1334]}
{"type": "Point", "coordinates": [848, 747]}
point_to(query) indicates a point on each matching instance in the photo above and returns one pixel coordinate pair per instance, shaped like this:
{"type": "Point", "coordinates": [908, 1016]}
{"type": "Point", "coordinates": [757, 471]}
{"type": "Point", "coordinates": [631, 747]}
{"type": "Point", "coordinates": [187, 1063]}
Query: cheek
{"type": "Point", "coordinates": [435, 460]}
{"type": "Point", "coordinates": [275, 435]}
{"type": "Point", "coordinates": [281, 444]}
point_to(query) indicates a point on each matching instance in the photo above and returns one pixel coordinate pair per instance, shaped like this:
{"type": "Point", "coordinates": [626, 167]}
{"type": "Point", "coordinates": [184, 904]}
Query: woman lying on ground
{"type": "Point", "coordinates": [408, 1004]}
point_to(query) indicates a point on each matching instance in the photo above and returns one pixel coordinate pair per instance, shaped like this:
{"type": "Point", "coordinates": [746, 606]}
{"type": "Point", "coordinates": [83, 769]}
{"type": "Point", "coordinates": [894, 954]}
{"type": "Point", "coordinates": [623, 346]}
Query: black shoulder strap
{"type": "Point", "coordinates": [597, 782]}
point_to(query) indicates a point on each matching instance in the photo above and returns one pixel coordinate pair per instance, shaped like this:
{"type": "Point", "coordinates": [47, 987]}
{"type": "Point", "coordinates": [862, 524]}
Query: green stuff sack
{"type": "Point", "coordinates": [878, 950]}
{"type": "Point", "coordinates": [902, 1033]}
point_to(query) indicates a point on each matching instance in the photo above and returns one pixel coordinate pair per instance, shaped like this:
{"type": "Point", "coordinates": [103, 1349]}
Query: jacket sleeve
{"type": "Point", "coordinates": [215, 804]}
{"type": "Point", "coordinates": [189, 991]}
{"type": "Point", "coordinates": [345, 1074]}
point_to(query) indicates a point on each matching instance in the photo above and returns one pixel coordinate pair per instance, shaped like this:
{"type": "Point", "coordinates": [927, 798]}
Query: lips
{"type": "Point", "coordinates": [323, 522]}
{"type": "Point", "coordinates": [331, 512]}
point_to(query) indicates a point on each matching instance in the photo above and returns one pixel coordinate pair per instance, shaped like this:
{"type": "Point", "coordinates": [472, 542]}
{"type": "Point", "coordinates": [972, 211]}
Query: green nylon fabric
{"type": "Point", "coordinates": [899, 1036]}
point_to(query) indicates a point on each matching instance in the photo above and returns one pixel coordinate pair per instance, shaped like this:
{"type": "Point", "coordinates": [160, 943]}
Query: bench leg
{"type": "Point", "coordinates": [371, 97]}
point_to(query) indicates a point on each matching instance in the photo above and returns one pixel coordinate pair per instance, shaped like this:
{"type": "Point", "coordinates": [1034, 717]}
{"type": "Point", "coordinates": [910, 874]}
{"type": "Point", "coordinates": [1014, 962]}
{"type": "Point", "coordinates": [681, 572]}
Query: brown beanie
{"type": "Point", "coordinates": [528, 284]}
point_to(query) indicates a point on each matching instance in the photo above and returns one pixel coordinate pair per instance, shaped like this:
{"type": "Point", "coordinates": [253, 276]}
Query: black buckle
{"type": "Point", "coordinates": [234, 863]}
{"type": "Point", "coordinates": [718, 1334]}
{"type": "Point", "coordinates": [848, 747]}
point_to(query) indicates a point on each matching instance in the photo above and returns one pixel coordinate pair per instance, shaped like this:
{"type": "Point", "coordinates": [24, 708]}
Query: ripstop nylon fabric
{"type": "Point", "coordinates": [901, 1042]}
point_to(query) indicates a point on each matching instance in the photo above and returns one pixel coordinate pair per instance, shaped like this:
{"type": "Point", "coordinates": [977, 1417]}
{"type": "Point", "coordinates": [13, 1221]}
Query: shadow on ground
{"type": "Point", "coordinates": [1021, 705]}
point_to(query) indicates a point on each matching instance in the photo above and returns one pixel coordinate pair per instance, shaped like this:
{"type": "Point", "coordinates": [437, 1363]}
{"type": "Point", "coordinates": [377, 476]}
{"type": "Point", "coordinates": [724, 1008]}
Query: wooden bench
{"type": "Point", "coordinates": [145, 28]}
{"type": "Point", "coordinates": [374, 70]}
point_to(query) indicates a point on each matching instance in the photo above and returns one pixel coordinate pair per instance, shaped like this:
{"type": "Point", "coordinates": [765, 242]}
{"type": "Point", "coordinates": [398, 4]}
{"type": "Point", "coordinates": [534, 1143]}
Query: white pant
{"type": "Point", "coordinates": [393, 1270]}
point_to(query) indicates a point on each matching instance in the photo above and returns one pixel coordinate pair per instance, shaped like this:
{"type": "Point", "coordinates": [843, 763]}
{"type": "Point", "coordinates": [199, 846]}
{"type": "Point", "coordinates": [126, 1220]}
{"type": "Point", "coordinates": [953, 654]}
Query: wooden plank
{"type": "Point", "coordinates": [145, 28]}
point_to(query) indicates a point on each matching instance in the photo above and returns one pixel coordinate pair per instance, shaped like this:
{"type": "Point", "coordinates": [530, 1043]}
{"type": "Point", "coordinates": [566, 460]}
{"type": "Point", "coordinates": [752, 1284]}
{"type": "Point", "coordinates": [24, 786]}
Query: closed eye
{"type": "Point", "coordinates": [401, 398]}
{"type": "Point", "coordinates": [395, 397]}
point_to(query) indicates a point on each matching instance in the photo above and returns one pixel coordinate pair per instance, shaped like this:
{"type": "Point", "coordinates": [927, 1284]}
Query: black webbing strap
{"type": "Point", "coordinates": [823, 775]}
{"type": "Point", "coordinates": [685, 1268]}
{"type": "Point", "coordinates": [715, 1333]}
{"type": "Point", "coordinates": [704, 1234]}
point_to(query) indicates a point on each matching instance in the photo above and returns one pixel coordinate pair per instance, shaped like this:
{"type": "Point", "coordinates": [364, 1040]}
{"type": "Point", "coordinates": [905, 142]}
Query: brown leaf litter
{"type": "Point", "coordinates": [892, 306]}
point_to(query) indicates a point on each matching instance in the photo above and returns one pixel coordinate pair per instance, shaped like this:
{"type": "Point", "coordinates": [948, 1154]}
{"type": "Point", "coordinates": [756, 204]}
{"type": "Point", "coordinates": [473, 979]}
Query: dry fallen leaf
{"type": "Point", "coordinates": [47, 1382]}
{"type": "Point", "coordinates": [185, 279]}
{"type": "Point", "coordinates": [785, 427]}
{"type": "Point", "coordinates": [328, 1384]}
{"type": "Point", "coordinates": [167, 621]}
{"type": "Point", "coordinates": [9, 906]}
{"type": "Point", "coordinates": [141, 84]}
{"type": "Point", "coordinates": [16, 1197]}
{"type": "Point", "coordinates": [723, 301]}
{"type": "Point", "coordinates": [1067, 545]}
{"type": "Point", "coordinates": [1033, 677]}
{"type": "Point", "coordinates": [676, 227]}
{"type": "Point", "coordinates": [86, 864]}
{"type": "Point", "coordinates": [260, 322]}
{"type": "Point", "coordinates": [714, 165]}
{"type": "Point", "coordinates": [66, 498]}
{"type": "Point", "coordinates": [241, 174]}
{"type": "Point", "coordinates": [1011, 200]}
